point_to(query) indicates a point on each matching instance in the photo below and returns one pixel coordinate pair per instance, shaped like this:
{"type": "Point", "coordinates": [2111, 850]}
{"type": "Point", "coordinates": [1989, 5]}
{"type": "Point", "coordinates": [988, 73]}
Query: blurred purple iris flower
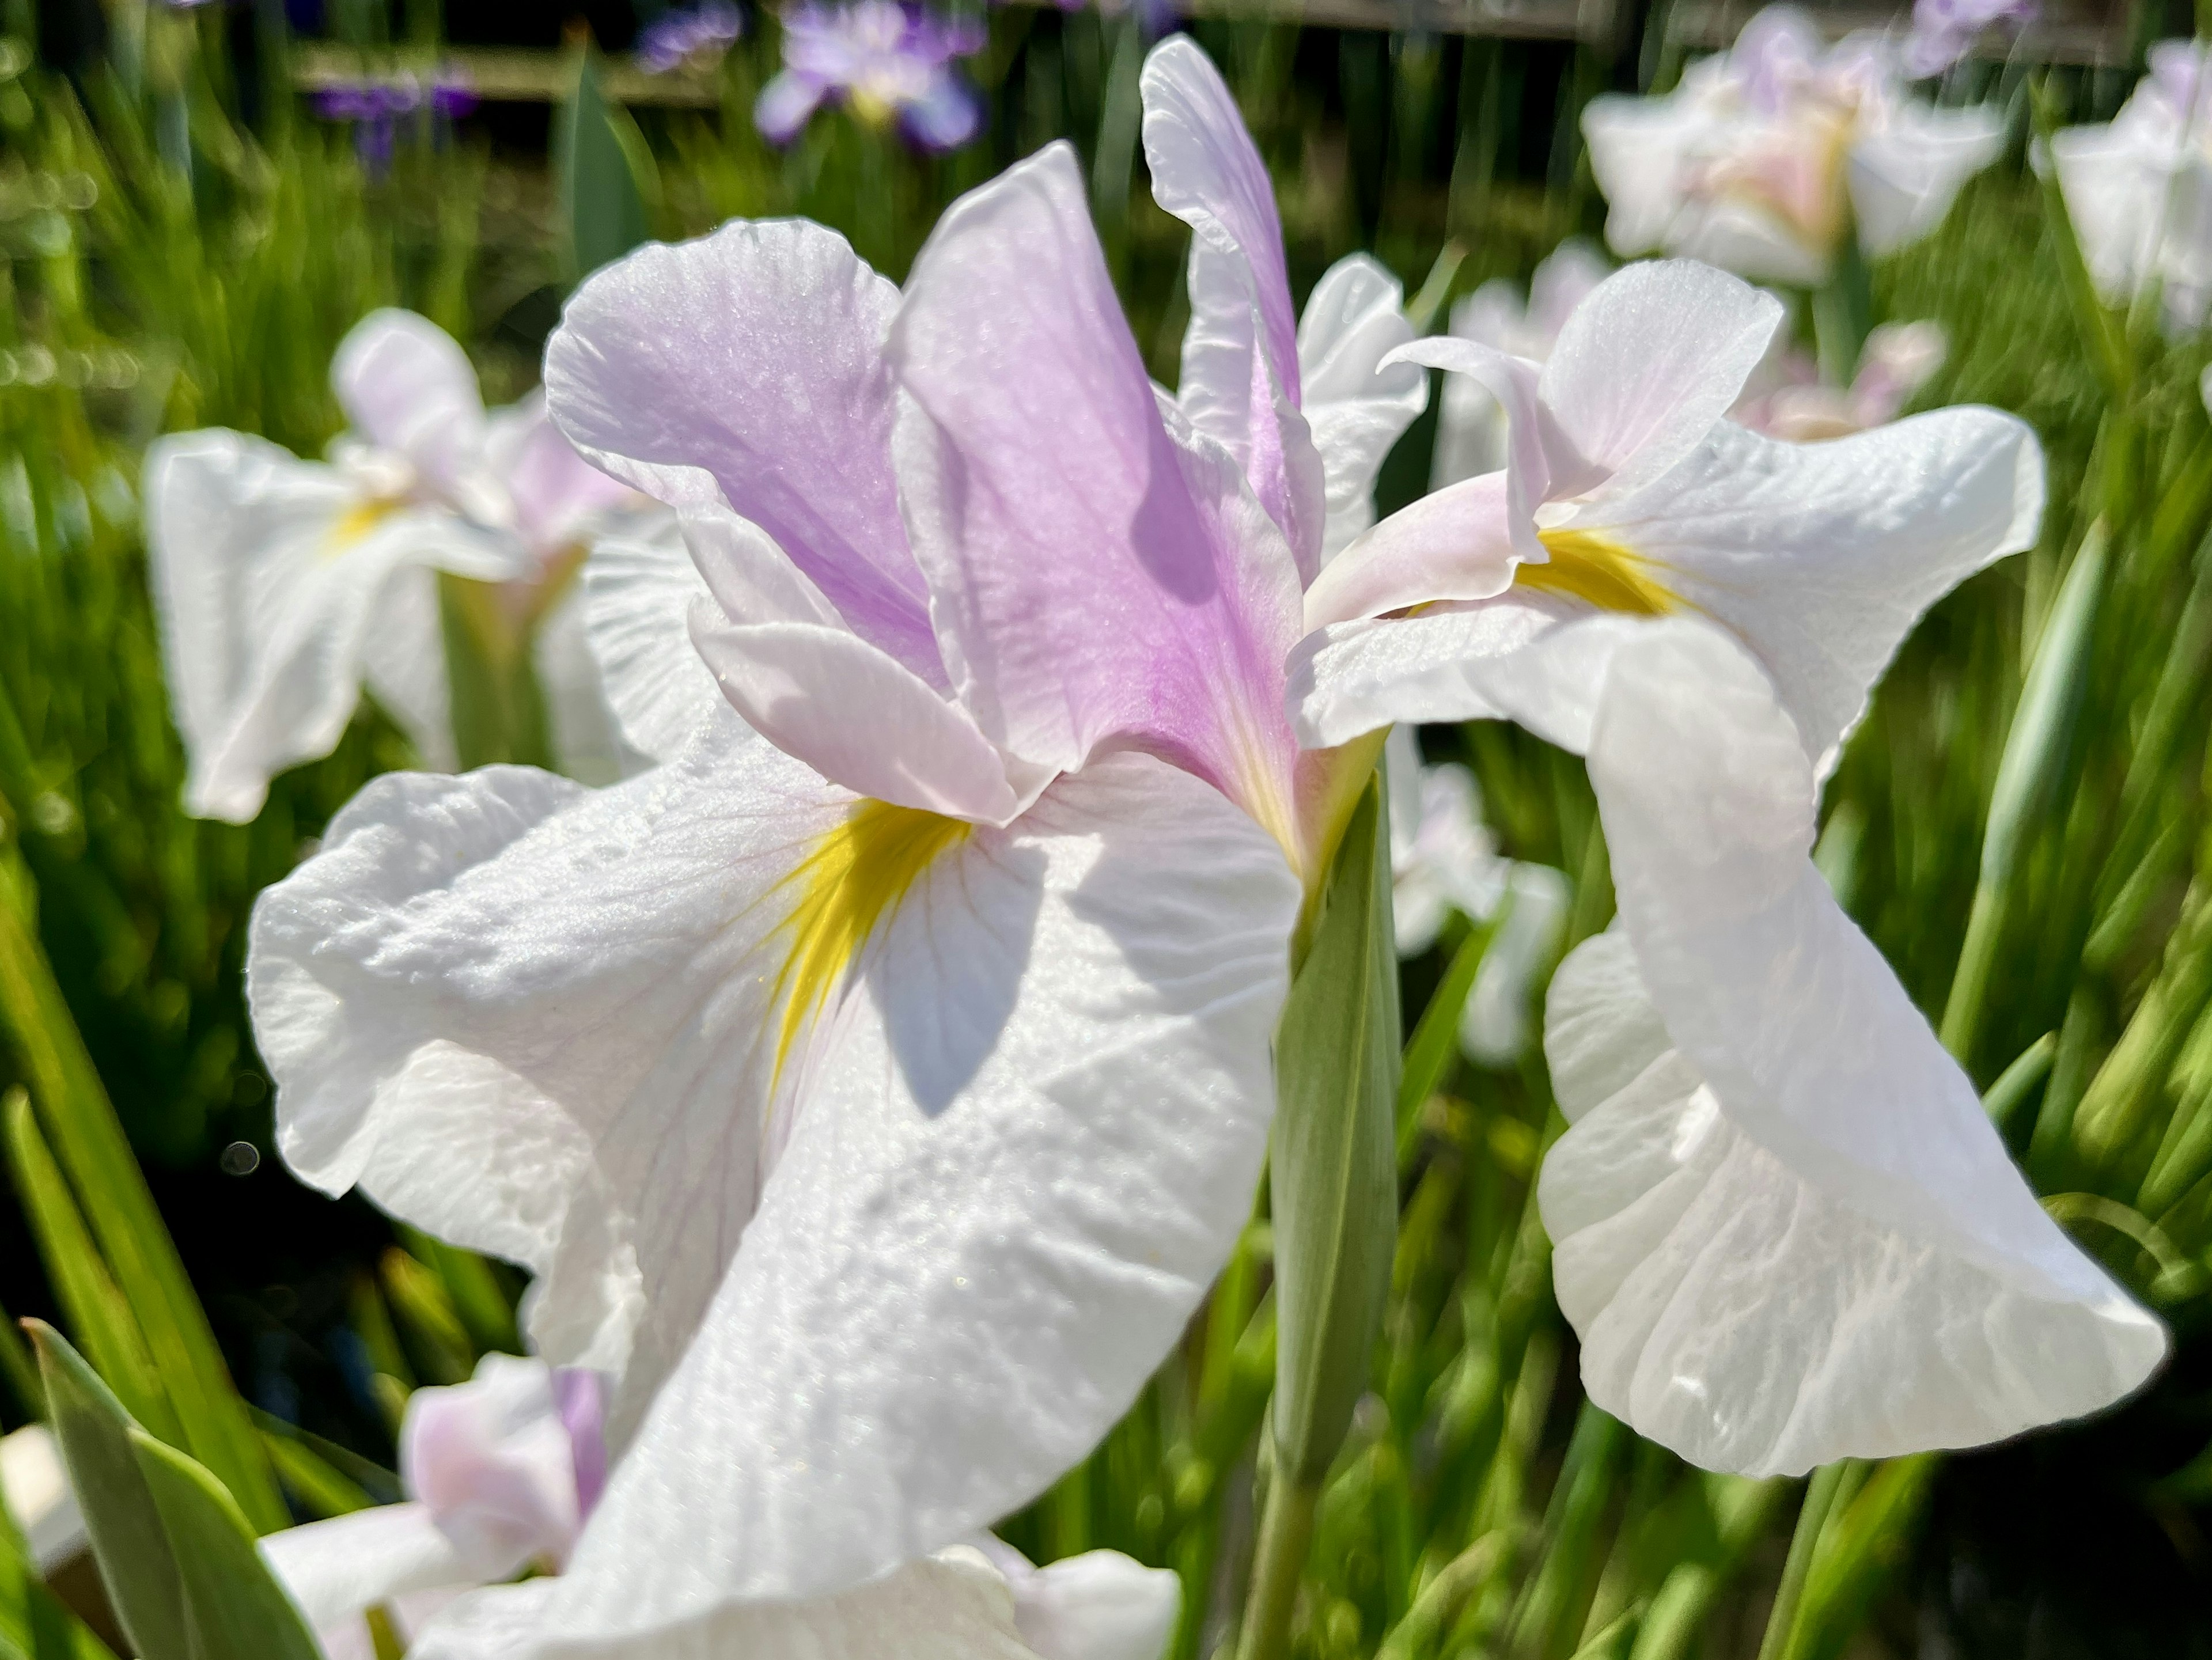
{"type": "Point", "coordinates": [1944, 31]}
{"type": "Point", "coordinates": [886, 62]}
{"type": "Point", "coordinates": [696, 35]}
{"type": "Point", "coordinates": [375, 107]}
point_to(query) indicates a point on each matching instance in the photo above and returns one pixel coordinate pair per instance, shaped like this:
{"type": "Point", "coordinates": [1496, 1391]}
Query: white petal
{"type": "Point", "coordinates": [1906, 173]}
{"type": "Point", "coordinates": [1354, 317]}
{"type": "Point", "coordinates": [1540, 461]}
{"type": "Point", "coordinates": [1639, 150]}
{"type": "Point", "coordinates": [1534, 658]}
{"type": "Point", "coordinates": [492, 1461]}
{"type": "Point", "coordinates": [1016, 1167]}
{"type": "Point", "coordinates": [1494, 1023]}
{"type": "Point", "coordinates": [1651, 361]}
{"type": "Point", "coordinates": [953, 1607]}
{"type": "Point", "coordinates": [1100, 1605]}
{"type": "Point", "coordinates": [336, 1570]}
{"type": "Point", "coordinates": [403, 662]}
{"type": "Point", "coordinates": [580, 725]}
{"type": "Point", "coordinates": [1599, 1028]}
{"type": "Point", "coordinates": [1822, 557]}
{"type": "Point", "coordinates": [269, 575]}
{"type": "Point", "coordinates": [1794, 1237]}
{"type": "Point", "coordinates": [538, 1021]}
{"type": "Point", "coordinates": [639, 585]}
{"type": "Point", "coordinates": [407, 385]}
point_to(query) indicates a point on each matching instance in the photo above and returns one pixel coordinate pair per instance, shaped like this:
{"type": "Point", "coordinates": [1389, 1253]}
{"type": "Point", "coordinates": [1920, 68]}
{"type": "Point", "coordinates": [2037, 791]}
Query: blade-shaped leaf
{"type": "Point", "coordinates": [128, 1539]}
{"type": "Point", "coordinates": [1333, 1155]}
{"type": "Point", "coordinates": [606, 173]}
{"type": "Point", "coordinates": [233, 1607]}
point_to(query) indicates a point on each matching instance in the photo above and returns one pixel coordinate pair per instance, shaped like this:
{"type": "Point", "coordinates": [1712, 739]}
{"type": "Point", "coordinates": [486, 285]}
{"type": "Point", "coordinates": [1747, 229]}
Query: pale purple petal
{"type": "Point", "coordinates": [748, 364]}
{"type": "Point", "coordinates": [407, 385]}
{"type": "Point", "coordinates": [1095, 580]}
{"type": "Point", "coordinates": [786, 105]}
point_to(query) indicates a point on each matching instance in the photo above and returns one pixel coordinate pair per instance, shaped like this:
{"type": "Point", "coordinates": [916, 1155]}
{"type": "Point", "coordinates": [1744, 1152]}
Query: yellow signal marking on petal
{"type": "Point", "coordinates": [855, 875]}
{"type": "Point", "coordinates": [1589, 567]}
{"type": "Point", "coordinates": [357, 521]}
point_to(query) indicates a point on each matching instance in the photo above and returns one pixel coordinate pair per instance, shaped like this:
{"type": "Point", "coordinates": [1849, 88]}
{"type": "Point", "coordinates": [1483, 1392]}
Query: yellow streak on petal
{"type": "Point", "coordinates": [357, 521]}
{"type": "Point", "coordinates": [855, 875]}
{"type": "Point", "coordinates": [1589, 567]}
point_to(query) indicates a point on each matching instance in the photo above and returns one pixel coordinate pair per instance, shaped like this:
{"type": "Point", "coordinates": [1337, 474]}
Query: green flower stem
{"type": "Point", "coordinates": [1812, 1517]}
{"type": "Point", "coordinates": [1286, 1536]}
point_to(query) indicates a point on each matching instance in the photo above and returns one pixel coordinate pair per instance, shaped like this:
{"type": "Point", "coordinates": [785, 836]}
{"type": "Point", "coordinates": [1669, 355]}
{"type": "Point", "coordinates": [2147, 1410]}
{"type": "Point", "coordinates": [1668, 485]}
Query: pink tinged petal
{"type": "Point", "coordinates": [492, 1460]}
{"type": "Point", "coordinates": [1822, 557]}
{"type": "Point", "coordinates": [1356, 410]}
{"type": "Point", "coordinates": [334, 1570]}
{"type": "Point", "coordinates": [1537, 660]}
{"type": "Point", "coordinates": [786, 662]}
{"type": "Point", "coordinates": [406, 385]}
{"type": "Point", "coordinates": [1540, 463]}
{"type": "Point", "coordinates": [556, 492]}
{"type": "Point", "coordinates": [277, 585]}
{"type": "Point", "coordinates": [580, 1396]}
{"type": "Point", "coordinates": [542, 1021]}
{"type": "Point", "coordinates": [1096, 578]}
{"type": "Point", "coordinates": [1651, 361]}
{"type": "Point", "coordinates": [639, 584]}
{"type": "Point", "coordinates": [1003, 1195]}
{"type": "Point", "coordinates": [1241, 383]}
{"type": "Point", "coordinates": [1453, 544]}
{"type": "Point", "coordinates": [1786, 1231]}
{"type": "Point", "coordinates": [747, 367]}
{"type": "Point", "coordinates": [949, 1607]}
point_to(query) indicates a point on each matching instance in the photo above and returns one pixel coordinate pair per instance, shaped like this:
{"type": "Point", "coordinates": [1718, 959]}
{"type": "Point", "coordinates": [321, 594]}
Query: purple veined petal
{"type": "Point", "coordinates": [786, 105]}
{"type": "Point", "coordinates": [747, 367]}
{"type": "Point", "coordinates": [1240, 355]}
{"type": "Point", "coordinates": [1094, 579]}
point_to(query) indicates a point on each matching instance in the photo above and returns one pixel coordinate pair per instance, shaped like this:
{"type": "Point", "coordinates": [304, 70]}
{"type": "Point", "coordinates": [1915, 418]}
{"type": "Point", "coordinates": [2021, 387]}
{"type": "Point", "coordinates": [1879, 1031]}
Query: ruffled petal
{"type": "Point", "coordinates": [1097, 576]}
{"type": "Point", "coordinates": [1003, 1195]}
{"type": "Point", "coordinates": [1822, 557]}
{"type": "Point", "coordinates": [749, 363]}
{"type": "Point", "coordinates": [1793, 1236]}
{"type": "Point", "coordinates": [1354, 317]}
{"type": "Point", "coordinates": [639, 585]}
{"type": "Point", "coordinates": [544, 1022]}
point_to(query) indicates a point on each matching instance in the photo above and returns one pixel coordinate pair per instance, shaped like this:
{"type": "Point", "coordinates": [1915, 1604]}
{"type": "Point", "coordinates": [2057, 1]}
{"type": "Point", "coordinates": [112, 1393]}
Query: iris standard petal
{"type": "Point", "coordinates": [407, 385]}
{"type": "Point", "coordinates": [1793, 1235]}
{"type": "Point", "coordinates": [751, 362]}
{"type": "Point", "coordinates": [1639, 149]}
{"type": "Point", "coordinates": [1097, 576]}
{"type": "Point", "coordinates": [1906, 173]}
{"type": "Point", "coordinates": [1241, 372]}
{"type": "Point", "coordinates": [1001, 1199]}
{"type": "Point", "coordinates": [1651, 361]}
{"type": "Point", "coordinates": [1540, 460]}
{"type": "Point", "coordinates": [1354, 317]}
